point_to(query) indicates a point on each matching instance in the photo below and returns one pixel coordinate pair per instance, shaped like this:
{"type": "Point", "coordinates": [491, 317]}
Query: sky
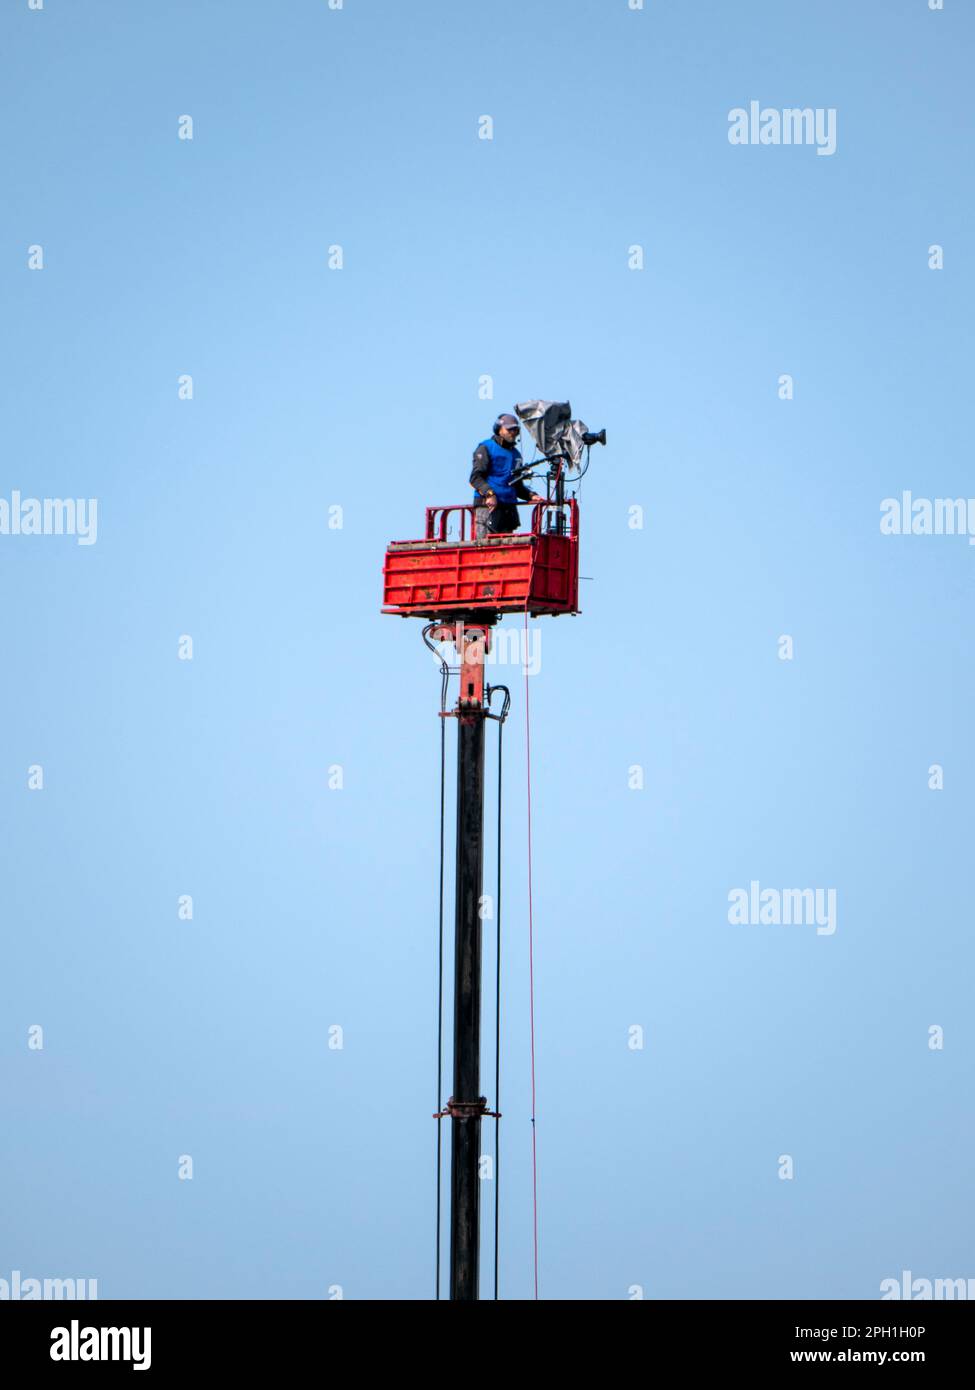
{"type": "Point", "coordinates": [763, 686]}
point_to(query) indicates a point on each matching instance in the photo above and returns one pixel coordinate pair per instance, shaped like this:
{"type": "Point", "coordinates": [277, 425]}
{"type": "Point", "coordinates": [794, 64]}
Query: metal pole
{"type": "Point", "coordinates": [467, 1105]}
{"type": "Point", "coordinates": [556, 494]}
{"type": "Point", "coordinates": [467, 1100]}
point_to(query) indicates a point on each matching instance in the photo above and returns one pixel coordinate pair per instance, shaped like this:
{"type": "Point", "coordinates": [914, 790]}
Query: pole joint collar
{"type": "Point", "coordinates": [467, 1110]}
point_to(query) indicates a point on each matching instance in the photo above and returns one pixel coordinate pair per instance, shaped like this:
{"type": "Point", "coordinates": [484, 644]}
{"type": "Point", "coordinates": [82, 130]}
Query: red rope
{"type": "Point", "coordinates": [531, 953]}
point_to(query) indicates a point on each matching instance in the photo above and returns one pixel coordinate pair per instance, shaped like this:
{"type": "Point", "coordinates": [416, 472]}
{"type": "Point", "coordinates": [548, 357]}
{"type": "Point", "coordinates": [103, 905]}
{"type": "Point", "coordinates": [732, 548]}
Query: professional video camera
{"type": "Point", "coordinates": [559, 437]}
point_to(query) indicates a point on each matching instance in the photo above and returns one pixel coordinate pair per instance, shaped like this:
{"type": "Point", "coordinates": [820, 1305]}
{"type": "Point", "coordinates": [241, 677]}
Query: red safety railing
{"type": "Point", "coordinates": [543, 517]}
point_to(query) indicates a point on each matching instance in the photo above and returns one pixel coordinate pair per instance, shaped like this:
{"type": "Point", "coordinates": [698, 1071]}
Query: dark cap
{"type": "Point", "coordinates": [508, 422]}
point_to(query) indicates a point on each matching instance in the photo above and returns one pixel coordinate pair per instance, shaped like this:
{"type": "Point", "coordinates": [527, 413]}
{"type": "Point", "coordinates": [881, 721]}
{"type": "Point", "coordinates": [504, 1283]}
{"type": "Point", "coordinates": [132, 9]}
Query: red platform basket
{"type": "Point", "coordinates": [537, 570]}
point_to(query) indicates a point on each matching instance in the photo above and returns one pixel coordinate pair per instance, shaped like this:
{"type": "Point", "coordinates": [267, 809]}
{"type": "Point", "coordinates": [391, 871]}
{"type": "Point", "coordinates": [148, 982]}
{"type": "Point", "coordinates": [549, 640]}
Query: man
{"type": "Point", "coordinates": [495, 495]}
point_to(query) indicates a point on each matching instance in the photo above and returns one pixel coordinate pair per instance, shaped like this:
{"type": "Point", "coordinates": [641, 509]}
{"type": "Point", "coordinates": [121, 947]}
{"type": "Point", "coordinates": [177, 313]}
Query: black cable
{"type": "Point", "coordinates": [497, 991]}
{"type": "Point", "coordinates": [497, 1033]}
{"type": "Point", "coordinates": [445, 676]}
{"type": "Point", "coordinates": [443, 780]}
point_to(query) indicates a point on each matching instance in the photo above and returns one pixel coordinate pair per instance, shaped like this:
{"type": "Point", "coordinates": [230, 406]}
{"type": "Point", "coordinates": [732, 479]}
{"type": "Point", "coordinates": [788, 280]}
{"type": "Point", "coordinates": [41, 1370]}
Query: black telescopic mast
{"type": "Point", "coordinates": [467, 1106]}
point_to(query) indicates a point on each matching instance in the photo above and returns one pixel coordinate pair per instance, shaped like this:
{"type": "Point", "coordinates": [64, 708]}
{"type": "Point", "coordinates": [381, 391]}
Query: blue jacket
{"type": "Point", "coordinates": [502, 463]}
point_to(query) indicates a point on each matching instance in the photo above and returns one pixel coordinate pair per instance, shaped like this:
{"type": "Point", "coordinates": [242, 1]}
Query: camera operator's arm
{"type": "Point", "coordinates": [479, 475]}
{"type": "Point", "coordinates": [525, 493]}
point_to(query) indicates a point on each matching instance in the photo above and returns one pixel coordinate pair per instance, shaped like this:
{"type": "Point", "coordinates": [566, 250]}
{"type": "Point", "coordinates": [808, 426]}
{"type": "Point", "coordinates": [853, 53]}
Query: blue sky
{"type": "Point", "coordinates": [358, 388]}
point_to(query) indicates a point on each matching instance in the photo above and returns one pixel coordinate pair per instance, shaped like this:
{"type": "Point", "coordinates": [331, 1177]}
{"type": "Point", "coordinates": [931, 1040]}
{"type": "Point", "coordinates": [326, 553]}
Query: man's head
{"type": "Point", "coordinates": [507, 430]}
